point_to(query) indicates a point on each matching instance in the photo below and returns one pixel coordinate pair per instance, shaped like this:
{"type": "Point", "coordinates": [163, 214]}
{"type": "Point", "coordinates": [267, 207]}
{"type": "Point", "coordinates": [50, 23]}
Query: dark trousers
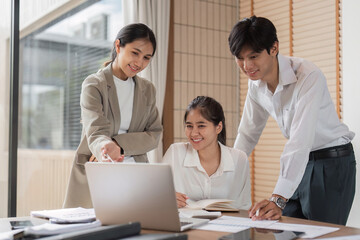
{"type": "Point", "coordinates": [327, 189]}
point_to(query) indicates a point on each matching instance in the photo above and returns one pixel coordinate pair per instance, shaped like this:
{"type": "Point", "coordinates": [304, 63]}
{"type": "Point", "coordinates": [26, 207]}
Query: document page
{"type": "Point", "coordinates": [53, 229]}
{"type": "Point", "coordinates": [311, 231]}
{"type": "Point", "coordinates": [351, 237]}
{"type": "Point", "coordinates": [236, 224]}
{"type": "Point", "coordinates": [67, 215]}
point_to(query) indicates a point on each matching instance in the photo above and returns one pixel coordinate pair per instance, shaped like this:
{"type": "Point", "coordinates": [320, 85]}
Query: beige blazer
{"type": "Point", "coordinates": [100, 115]}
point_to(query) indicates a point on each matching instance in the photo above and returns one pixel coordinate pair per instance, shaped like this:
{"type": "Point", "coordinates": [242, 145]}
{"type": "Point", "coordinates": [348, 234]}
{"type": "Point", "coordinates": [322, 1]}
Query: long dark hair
{"type": "Point", "coordinates": [211, 110]}
{"type": "Point", "coordinates": [130, 33]}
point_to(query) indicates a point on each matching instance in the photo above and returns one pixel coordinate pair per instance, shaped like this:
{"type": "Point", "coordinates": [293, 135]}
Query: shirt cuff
{"type": "Point", "coordinates": [285, 188]}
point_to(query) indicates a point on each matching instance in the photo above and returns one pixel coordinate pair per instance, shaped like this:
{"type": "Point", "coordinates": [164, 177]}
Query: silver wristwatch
{"type": "Point", "coordinates": [281, 203]}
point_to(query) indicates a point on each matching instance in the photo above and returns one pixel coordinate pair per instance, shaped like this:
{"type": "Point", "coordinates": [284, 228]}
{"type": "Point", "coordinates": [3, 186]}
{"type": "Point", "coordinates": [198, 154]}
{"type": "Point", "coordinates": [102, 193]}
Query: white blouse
{"type": "Point", "coordinates": [125, 93]}
{"type": "Point", "coordinates": [231, 180]}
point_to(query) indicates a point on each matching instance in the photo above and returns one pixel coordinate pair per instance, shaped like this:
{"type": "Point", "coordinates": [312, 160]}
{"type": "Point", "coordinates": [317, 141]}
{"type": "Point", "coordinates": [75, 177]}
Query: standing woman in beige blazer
{"type": "Point", "coordinates": [119, 116]}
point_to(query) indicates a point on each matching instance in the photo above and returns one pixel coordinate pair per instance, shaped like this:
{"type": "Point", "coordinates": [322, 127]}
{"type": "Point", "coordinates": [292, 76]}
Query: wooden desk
{"type": "Point", "coordinates": [209, 235]}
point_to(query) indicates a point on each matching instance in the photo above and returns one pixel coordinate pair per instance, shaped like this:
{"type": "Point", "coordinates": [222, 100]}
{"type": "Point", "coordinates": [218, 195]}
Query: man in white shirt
{"type": "Point", "coordinates": [317, 167]}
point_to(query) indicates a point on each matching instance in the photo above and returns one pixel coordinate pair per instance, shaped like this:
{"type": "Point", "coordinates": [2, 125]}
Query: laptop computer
{"type": "Point", "coordinates": [141, 192]}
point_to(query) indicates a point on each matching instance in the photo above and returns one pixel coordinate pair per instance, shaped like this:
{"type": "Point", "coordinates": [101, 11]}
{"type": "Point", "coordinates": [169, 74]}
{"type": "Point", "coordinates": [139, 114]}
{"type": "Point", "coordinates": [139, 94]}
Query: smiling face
{"type": "Point", "coordinates": [259, 65]}
{"type": "Point", "coordinates": [132, 58]}
{"type": "Point", "coordinates": [201, 133]}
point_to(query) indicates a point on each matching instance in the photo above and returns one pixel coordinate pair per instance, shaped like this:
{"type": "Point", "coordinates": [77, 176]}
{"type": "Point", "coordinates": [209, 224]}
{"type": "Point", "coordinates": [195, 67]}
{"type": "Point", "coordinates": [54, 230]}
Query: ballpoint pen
{"type": "Point", "coordinates": [257, 212]}
{"type": "Point", "coordinates": [107, 157]}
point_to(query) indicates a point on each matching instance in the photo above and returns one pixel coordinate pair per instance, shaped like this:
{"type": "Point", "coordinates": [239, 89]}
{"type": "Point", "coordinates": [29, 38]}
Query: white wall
{"type": "Point", "coordinates": [351, 88]}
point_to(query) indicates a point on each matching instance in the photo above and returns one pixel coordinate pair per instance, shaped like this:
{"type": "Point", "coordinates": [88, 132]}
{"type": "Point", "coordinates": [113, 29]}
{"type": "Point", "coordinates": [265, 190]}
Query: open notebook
{"type": "Point", "coordinates": [212, 205]}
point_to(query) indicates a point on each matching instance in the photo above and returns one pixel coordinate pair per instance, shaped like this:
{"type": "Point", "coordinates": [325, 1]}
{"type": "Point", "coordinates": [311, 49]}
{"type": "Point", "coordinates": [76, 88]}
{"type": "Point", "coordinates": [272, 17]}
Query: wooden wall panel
{"type": "Point", "coordinates": [203, 64]}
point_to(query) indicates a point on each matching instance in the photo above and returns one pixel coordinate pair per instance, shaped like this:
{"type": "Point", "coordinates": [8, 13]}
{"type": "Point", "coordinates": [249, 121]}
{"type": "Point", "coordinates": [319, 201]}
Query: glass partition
{"type": "Point", "coordinates": [54, 60]}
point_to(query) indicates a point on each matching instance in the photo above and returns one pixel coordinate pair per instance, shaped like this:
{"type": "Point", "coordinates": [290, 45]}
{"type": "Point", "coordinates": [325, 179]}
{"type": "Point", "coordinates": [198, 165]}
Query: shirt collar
{"type": "Point", "coordinates": [226, 163]}
{"type": "Point", "coordinates": [286, 75]}
{"type": "Point", "coordinates": [191, 157]}
{"type": "Point", "coordinates": [286, 72]}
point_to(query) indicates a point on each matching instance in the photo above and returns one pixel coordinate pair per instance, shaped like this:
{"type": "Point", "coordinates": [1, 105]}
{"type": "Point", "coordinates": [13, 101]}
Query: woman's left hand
{"type": "Point", "coordinates": [113, 151]}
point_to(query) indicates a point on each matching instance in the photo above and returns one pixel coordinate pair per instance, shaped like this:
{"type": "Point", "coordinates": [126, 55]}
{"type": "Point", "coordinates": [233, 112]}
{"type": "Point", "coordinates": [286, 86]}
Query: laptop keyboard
{"type": "Point", "coordinates": [185, 223]}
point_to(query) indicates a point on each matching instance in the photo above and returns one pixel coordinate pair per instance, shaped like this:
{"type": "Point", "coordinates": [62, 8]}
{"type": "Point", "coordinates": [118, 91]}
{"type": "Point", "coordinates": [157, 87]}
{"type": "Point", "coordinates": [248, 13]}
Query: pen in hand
{"type": "Point", "coordinates": [255, 214]}
{"type": "Point", "coordinates": [181, 199]}
{"type": "Point", "coordinates": [107, 157]}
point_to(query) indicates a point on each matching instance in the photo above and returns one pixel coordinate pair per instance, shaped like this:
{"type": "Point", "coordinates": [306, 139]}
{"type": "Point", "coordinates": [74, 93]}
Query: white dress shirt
{"type": "Point", "coordinates": [231, 180]}
{"type": "Point", "coordinates": [305, 113]}
{"type": "Point", "coordinates": [125, 93]}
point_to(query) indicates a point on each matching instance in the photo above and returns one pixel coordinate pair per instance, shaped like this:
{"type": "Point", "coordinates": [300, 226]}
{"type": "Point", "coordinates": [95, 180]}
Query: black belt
{"type": "Point", "coordinates": [331, 152]}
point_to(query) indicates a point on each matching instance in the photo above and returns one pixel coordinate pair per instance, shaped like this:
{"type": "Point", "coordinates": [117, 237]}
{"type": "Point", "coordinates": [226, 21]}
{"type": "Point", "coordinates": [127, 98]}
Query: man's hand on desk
{"type": "Point", "coordinates": [267, 209]}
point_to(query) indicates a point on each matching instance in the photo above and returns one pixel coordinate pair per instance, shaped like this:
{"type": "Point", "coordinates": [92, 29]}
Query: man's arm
{"type": "Point", "coordinates": [252, 123]}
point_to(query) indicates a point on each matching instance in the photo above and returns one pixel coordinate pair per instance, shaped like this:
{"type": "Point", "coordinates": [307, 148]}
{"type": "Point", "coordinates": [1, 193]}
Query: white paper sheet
{"type": "Point", "coordinates": [9, 234]}
{"type": "Point", "coordinates": [243, 222]}
{"type": "Point", "coordinates": [351, 237]}
{"type": "Point", "coordinates": [53, 229]}
{"type": "Point", "coordinates": [67, 215]}
{"type": "Point", "coordinates": [236, 224]}
{"type": "Point", "coordinates": [311, 231]}
{"type": "Point", "coordinates": [222, 228]}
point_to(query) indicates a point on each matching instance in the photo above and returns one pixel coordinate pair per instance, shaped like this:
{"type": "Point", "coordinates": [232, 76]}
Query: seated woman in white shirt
{"type": "Point", "coordinates": [204, 167]}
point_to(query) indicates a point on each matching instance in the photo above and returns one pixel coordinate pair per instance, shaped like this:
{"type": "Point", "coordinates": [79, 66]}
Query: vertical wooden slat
{"type": "Point", "coordinates": [252, 156]}
{"type": "Point", "coordinates": [252, 7]}
{"type": "Point", "coordinates": [337, 18]}
{"type": "Point", "coordinates": [291, 28]}
{"type": "Point", "coordinates": [168, 115]}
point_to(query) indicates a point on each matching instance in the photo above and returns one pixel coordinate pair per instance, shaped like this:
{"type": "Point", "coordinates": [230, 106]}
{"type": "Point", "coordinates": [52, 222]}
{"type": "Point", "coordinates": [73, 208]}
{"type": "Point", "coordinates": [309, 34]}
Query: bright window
{"type": "Point", "coordinates": [54, 61]}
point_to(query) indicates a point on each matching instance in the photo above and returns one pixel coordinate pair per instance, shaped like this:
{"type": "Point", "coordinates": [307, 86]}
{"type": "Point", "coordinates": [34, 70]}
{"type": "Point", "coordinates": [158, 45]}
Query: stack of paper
{"type": "Point", "coordinates": [67, 215]}
{"type": "Point", "coordinates": [54, 229]}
